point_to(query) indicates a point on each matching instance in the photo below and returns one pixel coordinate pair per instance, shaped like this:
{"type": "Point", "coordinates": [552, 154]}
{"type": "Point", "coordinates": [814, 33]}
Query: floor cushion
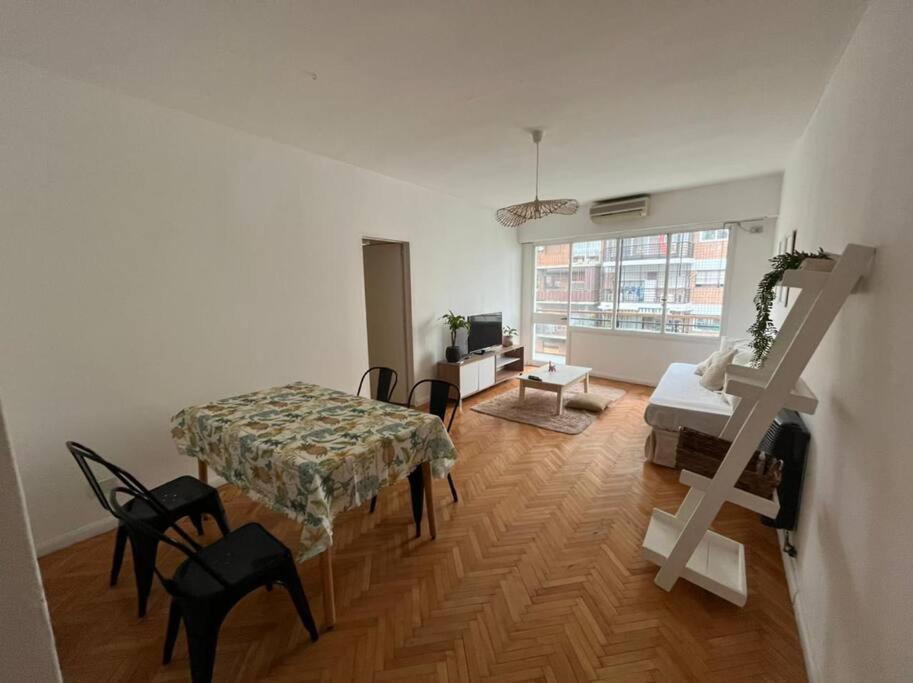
{"type": "Point", "coordinates": [592, 402]}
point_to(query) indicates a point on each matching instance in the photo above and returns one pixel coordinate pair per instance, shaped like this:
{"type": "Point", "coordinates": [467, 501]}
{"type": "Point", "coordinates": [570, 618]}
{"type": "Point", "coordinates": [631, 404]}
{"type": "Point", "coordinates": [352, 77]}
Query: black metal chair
{"type": "Point", "coordinates": [384, 387]}
{"type": "Point", "coordinates": [212, 580]}
{"type": "Point", "coordinates": [440, 397]}
{"type": "Point", "coordinates": [182, 497]}
{"type": "Point", "coordinates": [384, 393]}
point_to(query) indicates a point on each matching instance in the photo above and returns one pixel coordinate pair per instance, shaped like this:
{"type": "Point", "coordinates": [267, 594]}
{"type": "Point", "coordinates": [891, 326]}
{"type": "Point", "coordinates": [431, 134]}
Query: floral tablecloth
{"type": "Point", "coordinates": [311, 452]}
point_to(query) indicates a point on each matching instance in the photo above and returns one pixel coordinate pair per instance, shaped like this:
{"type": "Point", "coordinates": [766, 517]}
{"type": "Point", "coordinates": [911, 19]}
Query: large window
{"type": "Point", "coordinates": [550, 301]}
{"type": "Point", "coordinates": [669, 283]}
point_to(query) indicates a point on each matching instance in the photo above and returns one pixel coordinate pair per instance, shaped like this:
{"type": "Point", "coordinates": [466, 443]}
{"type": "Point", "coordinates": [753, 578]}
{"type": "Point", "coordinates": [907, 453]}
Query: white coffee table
{"type": "Point", "coordinates": [557, 381]}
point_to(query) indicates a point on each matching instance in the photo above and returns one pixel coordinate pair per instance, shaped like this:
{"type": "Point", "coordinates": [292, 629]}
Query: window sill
{"type": "Point", "coordinates": [667, 336]}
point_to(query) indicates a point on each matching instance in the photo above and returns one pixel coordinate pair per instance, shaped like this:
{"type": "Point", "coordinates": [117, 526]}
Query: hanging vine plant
{"type": "Point", "coordinates": [763, 331]}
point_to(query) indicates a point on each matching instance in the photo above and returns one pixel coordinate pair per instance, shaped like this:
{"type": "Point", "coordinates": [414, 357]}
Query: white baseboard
{"type": "Point", "coordinates": [792, 580]}
{"type": "Point", "coordinates": [99, 526]}
{"type": "Point", "coordinates": [617, 378]}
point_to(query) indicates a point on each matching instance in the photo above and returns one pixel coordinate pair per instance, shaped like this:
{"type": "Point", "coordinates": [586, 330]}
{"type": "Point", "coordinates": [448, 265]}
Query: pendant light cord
{"type": "Point", "coordinates": [517, 214]}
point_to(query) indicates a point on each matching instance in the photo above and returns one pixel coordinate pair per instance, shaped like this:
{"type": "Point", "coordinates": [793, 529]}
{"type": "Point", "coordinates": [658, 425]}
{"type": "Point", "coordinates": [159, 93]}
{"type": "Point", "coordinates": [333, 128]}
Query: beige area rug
{"type": "Point", "coordinates": [538, 408]}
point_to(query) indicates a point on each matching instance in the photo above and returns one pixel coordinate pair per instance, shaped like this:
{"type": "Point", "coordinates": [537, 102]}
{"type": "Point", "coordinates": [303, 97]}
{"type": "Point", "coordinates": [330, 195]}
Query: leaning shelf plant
{"type": "Point", "coordinates": [455, 323]}
{"type": "Point", "coordinates": [763, 331]}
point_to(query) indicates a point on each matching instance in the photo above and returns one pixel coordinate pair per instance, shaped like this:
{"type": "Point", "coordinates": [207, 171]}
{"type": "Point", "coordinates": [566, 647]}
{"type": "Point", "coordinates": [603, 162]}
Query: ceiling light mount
{"type": "Point", "coordinates": [518, 214]}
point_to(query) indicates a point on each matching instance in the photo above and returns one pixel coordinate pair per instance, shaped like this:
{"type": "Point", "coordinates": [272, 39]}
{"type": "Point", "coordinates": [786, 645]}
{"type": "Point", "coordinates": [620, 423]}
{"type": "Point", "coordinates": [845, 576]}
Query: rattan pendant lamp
{"type": "Point", "coordinates": [512, 216]}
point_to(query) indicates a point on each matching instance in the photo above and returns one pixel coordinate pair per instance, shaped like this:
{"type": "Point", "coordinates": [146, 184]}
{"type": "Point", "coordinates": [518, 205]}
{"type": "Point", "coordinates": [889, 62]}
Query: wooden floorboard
{"type": "Point", "coordinates": [536, 575]}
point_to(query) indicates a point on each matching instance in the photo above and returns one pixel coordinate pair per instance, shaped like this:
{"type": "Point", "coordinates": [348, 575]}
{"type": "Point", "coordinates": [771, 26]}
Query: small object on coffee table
{"type": "Point", "coordinates": [562, 377]}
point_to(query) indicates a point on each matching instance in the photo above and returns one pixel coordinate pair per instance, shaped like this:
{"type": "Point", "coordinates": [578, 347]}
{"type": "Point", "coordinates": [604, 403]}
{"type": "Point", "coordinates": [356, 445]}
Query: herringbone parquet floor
{"type": "Point", "coordinates": [535, 575]}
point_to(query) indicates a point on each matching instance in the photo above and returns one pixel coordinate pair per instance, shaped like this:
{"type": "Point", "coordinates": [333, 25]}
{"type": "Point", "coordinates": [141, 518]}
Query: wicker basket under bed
{"type": "Point", "coordinates": [702, 454]}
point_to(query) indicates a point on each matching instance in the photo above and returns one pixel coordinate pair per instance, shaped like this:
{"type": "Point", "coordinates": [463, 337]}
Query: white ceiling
{"type": "Point", "coordinates": [635, 95]}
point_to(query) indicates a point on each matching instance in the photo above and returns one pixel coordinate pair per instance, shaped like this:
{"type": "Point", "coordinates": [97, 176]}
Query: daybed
{"type": "Point", "coordinates": [691, 396]}
{"type": "Point", "coordinates": [678, 401]}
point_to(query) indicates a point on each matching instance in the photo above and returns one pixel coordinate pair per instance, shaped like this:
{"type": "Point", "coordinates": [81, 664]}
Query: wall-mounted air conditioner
{"type": "Point", "coordinates": [635, 204]}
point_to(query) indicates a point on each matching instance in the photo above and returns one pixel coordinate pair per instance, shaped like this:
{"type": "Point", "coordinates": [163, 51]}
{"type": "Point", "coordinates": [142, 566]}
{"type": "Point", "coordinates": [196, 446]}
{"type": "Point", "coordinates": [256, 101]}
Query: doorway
{"type": "Point", "coordinates": [388, 310]}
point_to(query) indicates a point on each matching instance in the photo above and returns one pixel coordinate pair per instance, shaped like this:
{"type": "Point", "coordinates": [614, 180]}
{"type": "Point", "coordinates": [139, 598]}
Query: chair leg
{"type": "Point", "coordinates": [293, 585]}
{"type": "Point", "coordinates": [202, 648]}
{"type": "Point", "coordinates": [452, 488]}
{"type": "Point", "coordinates": [417, 492]}
{"type": "Point", "coordinates": [171, 634]}
{"type": "Point", "coordinates": [120, 544]}
{"type": "Point", "coordinates": [202, 622]}
{"type": "Point", "coordinates": [222, 522]}
{"type": "Point", "coordinates": [197, 519]}
{"type": "Point", "coordinates": [143, 569]}
{"type": "Point", "coordinates": [373, 505]}
{"type": "Point", "coordinates": [217, 510]}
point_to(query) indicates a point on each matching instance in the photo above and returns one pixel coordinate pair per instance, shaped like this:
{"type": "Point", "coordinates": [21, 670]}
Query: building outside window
{"type": "Point", "coordinates": [668, 283]}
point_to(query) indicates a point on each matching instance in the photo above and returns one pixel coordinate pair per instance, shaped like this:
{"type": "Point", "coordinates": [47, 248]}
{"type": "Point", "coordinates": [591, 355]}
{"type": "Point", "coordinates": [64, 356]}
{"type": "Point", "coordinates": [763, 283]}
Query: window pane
{"type": "Point", "coordinates": [697, 273]}
{"type": "Point", "coordinates": [593, 283]}
{"type": "Point", "coordinates": [552, 262]}
{"type": "Point", "coordinates": [640, 287]}
{"type": "Point", "coordinates": [549, 342]}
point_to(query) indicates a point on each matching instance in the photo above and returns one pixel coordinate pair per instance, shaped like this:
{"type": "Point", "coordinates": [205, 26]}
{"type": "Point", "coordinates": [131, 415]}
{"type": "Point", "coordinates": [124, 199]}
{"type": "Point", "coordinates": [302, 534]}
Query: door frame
{"type": "Point", "coordinates": [407, 300]}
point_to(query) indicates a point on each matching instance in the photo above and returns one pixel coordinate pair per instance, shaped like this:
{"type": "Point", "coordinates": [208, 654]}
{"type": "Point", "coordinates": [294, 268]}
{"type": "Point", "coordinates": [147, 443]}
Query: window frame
{"type": "Point", "coordinates": [715, 237]}
{"type": "Point", "coordinates": [714, 282]}
{"type": "Point", "coordinates": [567, 317]}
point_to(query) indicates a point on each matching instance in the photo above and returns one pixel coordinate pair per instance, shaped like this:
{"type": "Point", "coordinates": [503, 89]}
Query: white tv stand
{"type": "Point", "coordinates": [479, 371]}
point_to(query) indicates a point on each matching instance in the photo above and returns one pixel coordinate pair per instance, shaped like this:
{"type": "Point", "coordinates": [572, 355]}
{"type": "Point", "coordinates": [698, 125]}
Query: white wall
{"type": "Point", "coordinates": [849, 180]}
{"type": "Point", "coordinates": [643, 358]}
{"type": "Point", "coordinates": [639, 358]}
{"type": "Point", "coordinates": [151, 260]}
{"type": "Point", "coordinates": [26, 640]}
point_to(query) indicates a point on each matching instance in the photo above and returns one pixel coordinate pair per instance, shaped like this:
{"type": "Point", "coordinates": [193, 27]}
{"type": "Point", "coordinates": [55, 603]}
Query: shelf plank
{"type": "Point", "coordinates": [749, 501]}
{"type": "Point", "coordinates": [716, 565]}
{"type": "Point", "coordinates": [750, 386]}
{"type": "Point", "coordinates": [745, 371]}
{"type": "Point", "coordinates": [805, 279]}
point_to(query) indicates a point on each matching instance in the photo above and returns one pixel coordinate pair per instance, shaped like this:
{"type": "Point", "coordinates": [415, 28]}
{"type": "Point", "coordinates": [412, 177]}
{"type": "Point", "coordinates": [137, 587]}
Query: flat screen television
{"type": "Point", "coordinates": [484, 331]}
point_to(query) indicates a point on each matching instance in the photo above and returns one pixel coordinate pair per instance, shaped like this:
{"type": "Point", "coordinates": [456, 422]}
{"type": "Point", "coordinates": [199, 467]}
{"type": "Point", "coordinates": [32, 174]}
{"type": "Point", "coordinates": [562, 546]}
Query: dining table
{"type": "Point", "coordinates": [311, 453]}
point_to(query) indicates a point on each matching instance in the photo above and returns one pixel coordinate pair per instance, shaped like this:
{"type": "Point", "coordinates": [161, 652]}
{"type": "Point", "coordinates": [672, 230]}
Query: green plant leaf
{"type": "Point", "coordinates": [763, 331]}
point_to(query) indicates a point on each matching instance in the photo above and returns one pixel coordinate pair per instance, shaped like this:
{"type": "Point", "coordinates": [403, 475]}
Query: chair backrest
{"type": "Point", "coordinates": [441, 395]}
{"type": "Point", "coordinates": [138, 526]}
{"type": "Point", "coordinates": [82, 454]}
{"type": "Point", "coordinates": [386, 382]}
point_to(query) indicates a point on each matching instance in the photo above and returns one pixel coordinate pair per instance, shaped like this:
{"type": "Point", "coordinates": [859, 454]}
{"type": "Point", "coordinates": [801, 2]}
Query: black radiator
{"type": "Point", "coordinates": [787, 439]}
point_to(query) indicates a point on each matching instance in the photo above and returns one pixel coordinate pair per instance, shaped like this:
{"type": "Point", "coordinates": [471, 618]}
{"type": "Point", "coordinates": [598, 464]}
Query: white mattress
{"type": "Point", "coordinates": [679, 400]}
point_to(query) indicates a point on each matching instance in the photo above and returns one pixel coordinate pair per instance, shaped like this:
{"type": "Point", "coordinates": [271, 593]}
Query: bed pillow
{"type": "Point", "coordinates": [744, 354]}
{"type": "Point", "coordinates": [743, 350]}
{"type": "Point", "coordinates": [715, 374]}
{"type": "Point", "coordinates": [591, 402]}
{"type": "Point", "coordinates": [704, 364]}
{"type": "Point", "coordinates": [727, 343]}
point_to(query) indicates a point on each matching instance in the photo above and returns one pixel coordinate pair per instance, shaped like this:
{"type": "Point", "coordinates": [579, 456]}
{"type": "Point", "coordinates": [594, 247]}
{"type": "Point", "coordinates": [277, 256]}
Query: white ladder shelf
{"type": "Point", "coordinates": [682, 544]}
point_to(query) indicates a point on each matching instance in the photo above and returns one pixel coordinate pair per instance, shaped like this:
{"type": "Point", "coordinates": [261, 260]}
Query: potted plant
{"type": "Point", "coordinates": [509, 334]}
{"type": "Point", "coordinates": [455, 323]}
{"type": "Point", "coordinates": [763, 331]}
